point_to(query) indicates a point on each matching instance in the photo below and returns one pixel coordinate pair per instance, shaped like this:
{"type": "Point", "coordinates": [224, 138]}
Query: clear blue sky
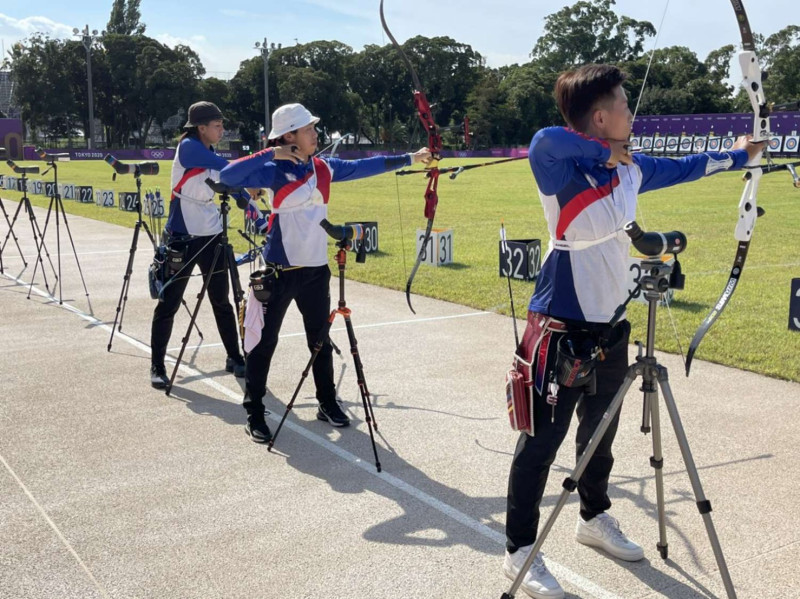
{"type": "Point", "coordinates": [504, 31]}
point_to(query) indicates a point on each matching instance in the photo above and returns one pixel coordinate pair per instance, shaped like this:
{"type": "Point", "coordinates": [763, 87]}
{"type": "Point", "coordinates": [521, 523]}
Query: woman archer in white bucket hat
{"type": "Point", "coordinates": [298, 188]}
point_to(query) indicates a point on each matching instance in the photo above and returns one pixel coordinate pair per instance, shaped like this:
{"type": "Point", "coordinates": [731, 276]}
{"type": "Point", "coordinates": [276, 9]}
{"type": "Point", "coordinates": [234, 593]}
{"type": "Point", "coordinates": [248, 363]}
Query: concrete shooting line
{"type": "Point", "coordinates": [562, 572]}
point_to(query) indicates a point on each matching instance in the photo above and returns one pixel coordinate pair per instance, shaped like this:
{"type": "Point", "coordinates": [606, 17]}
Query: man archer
{"type": "Point", "coordinates": [588, 184]}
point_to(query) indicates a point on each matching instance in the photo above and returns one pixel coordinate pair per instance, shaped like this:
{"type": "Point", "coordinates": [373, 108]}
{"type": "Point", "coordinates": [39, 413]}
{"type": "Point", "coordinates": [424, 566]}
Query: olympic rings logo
{"type": "Point", "coordinates": [157, 154]}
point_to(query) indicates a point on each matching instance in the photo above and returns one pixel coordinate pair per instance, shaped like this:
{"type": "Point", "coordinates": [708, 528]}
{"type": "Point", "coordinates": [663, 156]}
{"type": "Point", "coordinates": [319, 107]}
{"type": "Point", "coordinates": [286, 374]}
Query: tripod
{"type": "Point", "coordinates": [126, 279]}
{"type": "Point", "coordinates": [25, 202]}
{"type": "Point", "coordinates": [16, 241]}
{"type": "Point", "coordinates": [55, 200]}
{"type": "Point", "coordinates": [341, 259]}
{"type": "Point", "coordinates": [225, 249]}
{"type": "Point", "coordinates": [654, 282]}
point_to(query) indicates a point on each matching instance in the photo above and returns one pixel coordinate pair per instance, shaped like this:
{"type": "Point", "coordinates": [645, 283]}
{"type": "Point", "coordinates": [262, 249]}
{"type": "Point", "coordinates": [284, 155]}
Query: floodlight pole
{"type": "Point", "coordinates": [265, 52]}
{"type": "Point", "coordinates": [88, 38]}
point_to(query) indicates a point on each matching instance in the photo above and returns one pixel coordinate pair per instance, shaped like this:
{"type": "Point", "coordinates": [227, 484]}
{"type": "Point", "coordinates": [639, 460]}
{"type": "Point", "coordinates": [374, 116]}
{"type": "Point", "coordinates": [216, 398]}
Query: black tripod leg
{"type": "Point", "coordinates": [12, 234]}
{"type": "Point", "coordinates": [703, 504]}
{"type": "Point", "coordinates": [362, 387]}
{"type": "Point", "coordinates": [134, 247]}
{"type": "Point", "coordinates": [58, 252]}
{"type": "Point", "coordinates": [236, 285]}
{"type": "Point", "coordinates": [123, 294]}
{"type": "Point", "coordinates": [571, 483]}
{"type": "Point", "coordinates": [314, 354]}
{"type": "Point", "coordinates": [185, 339]}
{"type": "Point", "coordinates": [185, 305]}
{"type": "Point", "coordinates": [40, 245]}
{"type": "Point", "coordinates": [335, 347]}
{"type": "Point", "coordinates": [60, 207]}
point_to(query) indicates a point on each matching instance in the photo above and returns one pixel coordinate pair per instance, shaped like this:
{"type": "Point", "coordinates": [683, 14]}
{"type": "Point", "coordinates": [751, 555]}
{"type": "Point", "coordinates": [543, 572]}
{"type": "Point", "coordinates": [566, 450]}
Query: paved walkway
{"type": "Point", "coordinates": [112, 489]}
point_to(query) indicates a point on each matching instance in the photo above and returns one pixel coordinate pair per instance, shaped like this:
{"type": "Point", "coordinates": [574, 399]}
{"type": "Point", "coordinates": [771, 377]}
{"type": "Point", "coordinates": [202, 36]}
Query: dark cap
{"type": "Point", "coordinates": [200, 113]}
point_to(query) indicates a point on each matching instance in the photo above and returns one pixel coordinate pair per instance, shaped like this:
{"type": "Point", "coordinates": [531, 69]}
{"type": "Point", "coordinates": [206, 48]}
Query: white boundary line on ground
{"type": "Point", "coordinates": [362, 326]}
{"type": "Point", "coordinates": [52, 524]}
{"type": "Point", "coordinates": [558, 570]}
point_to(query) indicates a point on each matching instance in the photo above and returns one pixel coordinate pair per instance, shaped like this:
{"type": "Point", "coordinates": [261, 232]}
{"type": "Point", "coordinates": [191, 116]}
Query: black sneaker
{"type": "Point", "coordinates": [330, 411]}
{"type": "Point", "coordinates": [235, 365]}
{"type": "Point", "coordinates": [257, 429]}
{"type": "Point", "coordinates": [158, 377]}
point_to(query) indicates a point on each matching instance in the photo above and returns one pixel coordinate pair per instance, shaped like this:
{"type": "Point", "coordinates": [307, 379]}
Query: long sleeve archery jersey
{"type": "Point", "coordinates": [192, 209]}
{"type": "Point", "coordinates": [585, 272]}
{"type": "Point", "coordinates": [298, 196]}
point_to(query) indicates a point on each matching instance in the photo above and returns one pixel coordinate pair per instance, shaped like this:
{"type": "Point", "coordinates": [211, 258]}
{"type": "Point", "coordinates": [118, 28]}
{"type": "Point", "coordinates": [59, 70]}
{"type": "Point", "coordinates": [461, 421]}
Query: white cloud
{"type": "Point", "coordinates": [243, 14]}
{"type": "Point", "coordinates": [28, 25]}
{"type": "Point", "coordinates": [219, 61]}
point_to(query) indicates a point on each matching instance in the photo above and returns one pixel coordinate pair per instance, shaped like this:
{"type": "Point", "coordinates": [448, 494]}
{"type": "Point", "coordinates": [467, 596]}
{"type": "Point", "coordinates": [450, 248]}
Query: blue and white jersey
{"type": "Point", "coordinates": [192, 210]}
{"type": "Point", "coordinates": [584, 276]}
{"type": "Point", "coordinates": [298, 196]}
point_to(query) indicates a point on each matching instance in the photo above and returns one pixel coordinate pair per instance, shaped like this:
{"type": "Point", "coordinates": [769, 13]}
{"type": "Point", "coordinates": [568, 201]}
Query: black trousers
{"type": "Point", "coordinates": [535, 454]}
{"type": "Point", "coordinates": [200, 251]}
{"type": "Point", "coordinates": [309, 288]}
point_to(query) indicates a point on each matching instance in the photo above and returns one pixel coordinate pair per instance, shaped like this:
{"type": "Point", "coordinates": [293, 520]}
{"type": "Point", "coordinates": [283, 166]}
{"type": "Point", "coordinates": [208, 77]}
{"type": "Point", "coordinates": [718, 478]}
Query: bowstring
{"type": "Point", "coordinates": [399, 207]}
{"type": "Point", "coordinates": [639, 204]}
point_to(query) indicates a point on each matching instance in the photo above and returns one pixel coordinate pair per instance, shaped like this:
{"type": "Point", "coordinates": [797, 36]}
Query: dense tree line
{"type": "Point", "coordinates": [139, 81]}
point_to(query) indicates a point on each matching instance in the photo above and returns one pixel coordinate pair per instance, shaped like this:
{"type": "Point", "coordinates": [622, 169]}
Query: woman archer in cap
{"type": "Point", "coordinates": [192, 227]}
{"type": "Point", "coordinates": [298, 189]}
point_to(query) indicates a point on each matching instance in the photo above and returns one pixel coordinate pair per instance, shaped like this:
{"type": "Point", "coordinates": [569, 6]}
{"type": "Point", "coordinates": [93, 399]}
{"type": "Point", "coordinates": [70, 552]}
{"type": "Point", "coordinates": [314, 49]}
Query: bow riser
{"type": "Point", "coordinates": [751, 72]}
{"type": "Point", "coordinates": [748, 209]}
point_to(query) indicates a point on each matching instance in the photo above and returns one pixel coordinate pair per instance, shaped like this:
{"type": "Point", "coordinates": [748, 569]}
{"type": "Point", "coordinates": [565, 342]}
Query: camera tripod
{"type": "Point", "coordinates": [140, 223]}
{"type": "Point", "coordinates": [224, 249]}
{"type": "Point", "coordinates": [55, 200]}
{"type": "Point", "coordinates": [16, 240]}
{"type": "Point", "coordinates": [344, 311]}
{"type": "Point", "coordinates": [654, 282]}
{"type": "Point", "coordinates": [25, 203]}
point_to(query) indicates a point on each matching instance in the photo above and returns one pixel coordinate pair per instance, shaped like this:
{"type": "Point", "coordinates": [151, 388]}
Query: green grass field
{"type": "Point", "coordinates": [751, 333]}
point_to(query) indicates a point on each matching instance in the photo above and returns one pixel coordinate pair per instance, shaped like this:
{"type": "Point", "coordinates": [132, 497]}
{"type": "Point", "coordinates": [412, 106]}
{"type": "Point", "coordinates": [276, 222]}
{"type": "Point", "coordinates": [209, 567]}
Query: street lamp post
{"type": "Point", "coordinates": [265, 52]}
{"type": "Point", "coordinates": [87, 39]}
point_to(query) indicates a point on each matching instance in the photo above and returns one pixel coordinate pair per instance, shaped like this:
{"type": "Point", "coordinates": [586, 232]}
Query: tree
{"type": "Point", "coordinates": [589, 32]}
{"type": "Point", "coordinates": [782, 61]}
{"type": "Point", "coordinates": [40, 63]}
{"type": "Point", "coordinates": [124, 19]}
{"type": "Point", "coordinates": [678, 83]}
{"type": "Point", "coordinates": [246, 99]}
{"type": "Point", "coordinates": [216, 91]}
{"type": "Point", "coordinates": [148, 82]}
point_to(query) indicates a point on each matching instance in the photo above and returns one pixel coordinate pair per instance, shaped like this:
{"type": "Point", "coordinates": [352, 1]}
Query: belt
{"type": "Point", "coordinates": [582, 244]}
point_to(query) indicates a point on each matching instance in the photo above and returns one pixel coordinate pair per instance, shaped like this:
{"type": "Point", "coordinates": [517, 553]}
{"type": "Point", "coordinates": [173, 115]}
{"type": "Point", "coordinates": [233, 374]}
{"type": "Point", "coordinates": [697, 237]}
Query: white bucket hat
{"type": "Point", "coordinates": [290, 117]}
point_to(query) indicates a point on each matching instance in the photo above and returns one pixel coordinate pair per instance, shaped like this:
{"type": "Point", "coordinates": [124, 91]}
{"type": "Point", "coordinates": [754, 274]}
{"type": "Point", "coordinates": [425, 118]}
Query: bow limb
{"type": "Point", "coordinates": [748, 205]}
{"type": "Point", "coordinates": [434, 146]}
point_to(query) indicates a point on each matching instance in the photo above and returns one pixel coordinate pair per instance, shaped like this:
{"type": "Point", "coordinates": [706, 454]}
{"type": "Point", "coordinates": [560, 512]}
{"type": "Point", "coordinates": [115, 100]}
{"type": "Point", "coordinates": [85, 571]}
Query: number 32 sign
{"type": "Point", "coordinates": [521, 259]}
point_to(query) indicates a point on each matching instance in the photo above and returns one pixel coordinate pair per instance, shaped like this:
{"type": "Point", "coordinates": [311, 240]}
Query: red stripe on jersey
{"type": "Point", "coordinates": [287, 189]}
{"type": "Point", "coordinates": [323, 174]}
{"type": "Point", "coordinates": [323, 178]}
{"type": "Point", "coordinates": [192, 172]}
{"type": "Point", "coordinates": [580, 202]}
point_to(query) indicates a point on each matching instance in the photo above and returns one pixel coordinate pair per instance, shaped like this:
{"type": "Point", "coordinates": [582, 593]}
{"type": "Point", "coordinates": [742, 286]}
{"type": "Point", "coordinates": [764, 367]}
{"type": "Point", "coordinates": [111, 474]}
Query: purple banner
{"type": "Point", "coordinates": [781, 123]}
{"type": "Point", "coordinates": [147, 154]}
{"type": "Point", "coordinates": [11, 138]}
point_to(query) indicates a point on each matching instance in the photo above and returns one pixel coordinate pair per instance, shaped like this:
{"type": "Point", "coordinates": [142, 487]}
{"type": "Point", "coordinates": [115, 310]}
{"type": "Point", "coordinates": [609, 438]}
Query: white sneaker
{"type": "Point", "coordinates": [603, 532]}
{"type": "Point", "coordinates": [538, 582]}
